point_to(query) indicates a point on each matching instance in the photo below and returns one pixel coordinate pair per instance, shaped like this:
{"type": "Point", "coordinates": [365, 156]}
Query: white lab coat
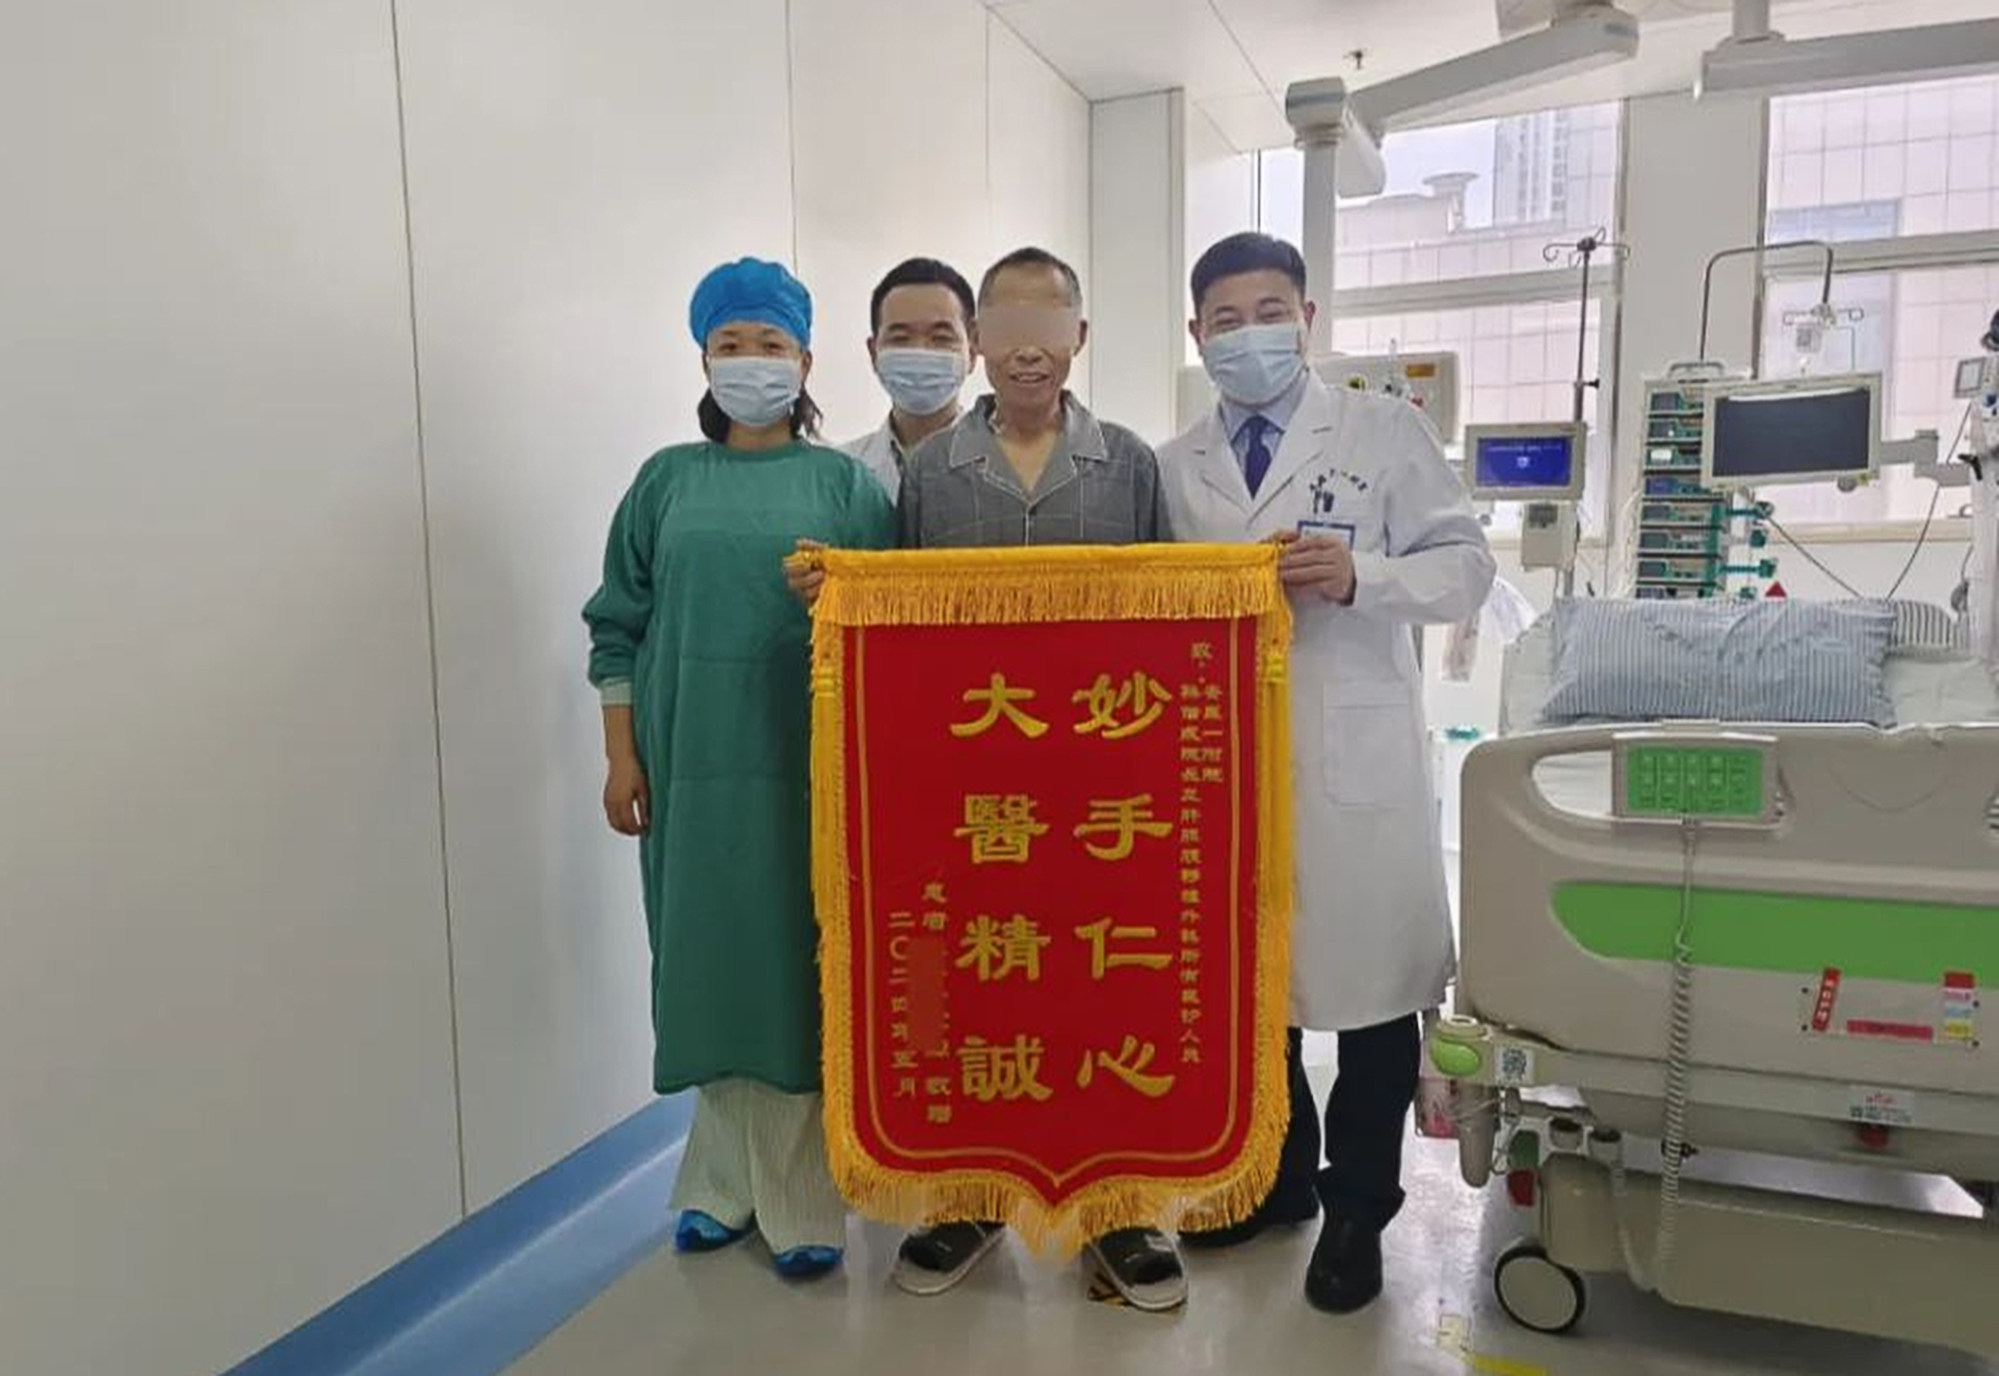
{"type": "Point", "coordinates": [879, 452]}
{"type": "Point", "coordinates": [1371, 936]}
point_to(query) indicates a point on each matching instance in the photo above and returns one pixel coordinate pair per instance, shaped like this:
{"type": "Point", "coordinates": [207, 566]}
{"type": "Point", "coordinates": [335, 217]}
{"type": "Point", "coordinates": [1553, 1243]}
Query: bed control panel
{"type": "Point", "coordinates": [1728, 778]}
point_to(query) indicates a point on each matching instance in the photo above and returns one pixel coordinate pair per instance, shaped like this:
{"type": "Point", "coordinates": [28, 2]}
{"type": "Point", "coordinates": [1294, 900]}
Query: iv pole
{"type": "Point", "coordinates": [1581, 254]}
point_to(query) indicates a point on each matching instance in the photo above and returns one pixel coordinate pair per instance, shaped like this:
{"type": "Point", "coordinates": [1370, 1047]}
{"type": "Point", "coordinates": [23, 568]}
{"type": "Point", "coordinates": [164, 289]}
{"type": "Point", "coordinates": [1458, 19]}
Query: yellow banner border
{"type": "Point", "coordinates": [1044, 584]}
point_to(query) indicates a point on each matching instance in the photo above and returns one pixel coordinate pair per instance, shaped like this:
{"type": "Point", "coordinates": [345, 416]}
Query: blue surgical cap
{"type": "Point", "coordinates": [752, 290]}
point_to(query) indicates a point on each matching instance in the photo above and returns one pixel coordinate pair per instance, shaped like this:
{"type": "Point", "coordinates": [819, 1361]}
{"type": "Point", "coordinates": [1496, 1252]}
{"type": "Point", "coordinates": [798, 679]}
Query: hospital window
{"type": "Point", "coordinates": [1911, 326]}
{"type": "Point", "coordinates": [1517, 363]}
{"type": "Point", "coordinates": [1872, 170]}
{"type": "Point", "coordinates": [1463, 201]}
{"type": "Point", "coordinates": [1885, 163]}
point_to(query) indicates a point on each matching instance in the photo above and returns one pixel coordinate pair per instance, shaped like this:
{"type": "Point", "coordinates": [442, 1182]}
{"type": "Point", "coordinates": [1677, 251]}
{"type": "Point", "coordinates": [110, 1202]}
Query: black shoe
{"type": "Point", "coordinates": [1143, 1266]}
{"type": "Point", "coordinates": [1345, 1274]}
{"type": "Point", "coordinates": [934, 1260]}
{"type": "Point", "coordinates": [1251, 1228]}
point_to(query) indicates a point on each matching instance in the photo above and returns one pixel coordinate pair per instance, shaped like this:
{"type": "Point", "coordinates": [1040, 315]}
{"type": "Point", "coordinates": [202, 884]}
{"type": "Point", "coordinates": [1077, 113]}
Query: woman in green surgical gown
{"type": "Point", "coordinates": [703, 661]}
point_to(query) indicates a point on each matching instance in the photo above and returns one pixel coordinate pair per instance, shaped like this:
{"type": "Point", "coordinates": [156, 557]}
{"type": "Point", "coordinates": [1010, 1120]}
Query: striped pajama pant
{"type": "Point", "coordinates": [757, 1152]}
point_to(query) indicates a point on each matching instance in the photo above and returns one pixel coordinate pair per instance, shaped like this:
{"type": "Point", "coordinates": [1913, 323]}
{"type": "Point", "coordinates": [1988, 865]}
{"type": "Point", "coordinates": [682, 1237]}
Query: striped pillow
{"type": "Point", "coordinates": [1923, 628]}
{"type": "Point", "coordinates": [1772, 661]}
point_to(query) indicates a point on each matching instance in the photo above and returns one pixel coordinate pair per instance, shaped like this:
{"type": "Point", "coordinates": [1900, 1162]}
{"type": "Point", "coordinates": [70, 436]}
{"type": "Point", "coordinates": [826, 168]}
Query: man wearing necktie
{"type": "Point", "coordinates": [1380, 537]}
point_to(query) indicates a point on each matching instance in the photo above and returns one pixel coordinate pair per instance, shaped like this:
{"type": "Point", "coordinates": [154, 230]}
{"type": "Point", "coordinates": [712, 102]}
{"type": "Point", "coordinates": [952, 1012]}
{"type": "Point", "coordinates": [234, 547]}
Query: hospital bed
{"type": "Point", "coordinates": [1719, 1020]}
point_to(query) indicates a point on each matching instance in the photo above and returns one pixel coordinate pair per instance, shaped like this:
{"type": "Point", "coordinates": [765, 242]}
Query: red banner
{"type": "Point", "coordinates": [1054, 971]}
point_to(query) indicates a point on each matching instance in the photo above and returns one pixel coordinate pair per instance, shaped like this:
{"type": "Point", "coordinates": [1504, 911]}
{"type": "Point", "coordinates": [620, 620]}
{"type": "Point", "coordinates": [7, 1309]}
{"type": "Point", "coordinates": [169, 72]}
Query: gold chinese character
{"type": "Point", "coordinates": [1190, 976]}
{"type": "Point", "coordinates": [1000, 828]}
{"type": "Point", "coordinates": [997, 950]}
{"type": "Point", "coordinates": [1000, 701]}
{"type": "Point", "coordinates": [1002, 1073]}
{"type": "Point", "coordinates": [1212, 713]}
{"type": "Point", "coordinates": [1189, 1055]}
{"type": "Point", "coordinates": [1190, 956]}
{"type": "Point", "coordinates": [933, 894]}
{"type": "Point", "coordinates": [905, 1088]}
{"type": "Point", "coordinates": [1129, 1065]}
{"type": "Point", "coordinates": [938, 1087]}
{"type": "Point", "coordinates": [1211, 776]}
{"type": "Point", "coordinates": [1191, 856]}
{"type": "Point", "coordinates": [936, 922]}
{"type": "Point", "coordinates": [904, 1060]}
{"type": "Point", "coordinates": [1125, 818]}
{"type": "Point", "coordinates": [1102, 959]}
{"type": "Point", "coordinates": [1190, 1016]}
{"type": "Point", "coordinates": [1191, 997]}
{"type": "Point", "coordinates": [1214, 692]}
{"type": "Point", "coordinates": [1190, 692]}
{"type": "Point", "coordinates": [1141, 696]}
{"type": "Point", "coordinates": [940, 1114]}
{"type": "Point", "coordinates": [1191, 712]}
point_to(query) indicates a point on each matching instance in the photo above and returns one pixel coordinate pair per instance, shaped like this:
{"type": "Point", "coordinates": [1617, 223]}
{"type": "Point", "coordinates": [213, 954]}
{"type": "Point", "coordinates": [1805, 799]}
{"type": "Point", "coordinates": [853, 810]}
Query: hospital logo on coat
{"type": "Point", "coordinates": [1325, 489]}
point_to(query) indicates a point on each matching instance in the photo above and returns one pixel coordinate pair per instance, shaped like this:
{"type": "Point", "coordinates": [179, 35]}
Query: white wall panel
{"type": "Point", "coordinates": [1137, 220]}
{"type": "Point", "coordinates": [1038, 141]}
{"type": "Point", "coordinates": [889, 136]}
{"type": "Point", "coordinates": [574, 168]}
{"type": "Point", "coordinates": [225, 1074]}
{"type": "Point", "coordinates": [1221, 200]}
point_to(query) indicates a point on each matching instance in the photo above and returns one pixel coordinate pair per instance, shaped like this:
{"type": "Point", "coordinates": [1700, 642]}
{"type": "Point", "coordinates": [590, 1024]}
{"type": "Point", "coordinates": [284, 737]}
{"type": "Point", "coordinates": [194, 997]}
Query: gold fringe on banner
{"type": "Point", "coordinates": [958, 587]}
{"type": "Point", "coordinates": [1064, 583]}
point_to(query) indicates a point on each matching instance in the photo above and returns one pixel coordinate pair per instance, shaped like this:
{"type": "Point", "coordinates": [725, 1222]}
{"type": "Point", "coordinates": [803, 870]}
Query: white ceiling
{"type": "Point", "coordinates": [1235, 57]}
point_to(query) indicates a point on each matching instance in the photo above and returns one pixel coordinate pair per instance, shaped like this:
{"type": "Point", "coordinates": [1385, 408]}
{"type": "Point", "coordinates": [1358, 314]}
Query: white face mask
{"type": "Point", "coordinates": [755, 391]}
{"type": "Point", "coordinates": [921, 382]}
{"type": "Point", "coordinates": [1255, 364]}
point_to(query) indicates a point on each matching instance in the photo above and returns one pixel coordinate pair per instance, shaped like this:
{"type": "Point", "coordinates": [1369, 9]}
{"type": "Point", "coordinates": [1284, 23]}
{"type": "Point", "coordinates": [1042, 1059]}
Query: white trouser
{"type": "Point", "coordinates": [758, 1152]}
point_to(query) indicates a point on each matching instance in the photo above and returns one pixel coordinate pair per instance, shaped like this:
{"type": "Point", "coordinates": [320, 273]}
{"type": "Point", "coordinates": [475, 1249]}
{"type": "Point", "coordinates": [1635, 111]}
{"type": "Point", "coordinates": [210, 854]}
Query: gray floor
{"type": "Point", "coordinates": [1018, 1317]}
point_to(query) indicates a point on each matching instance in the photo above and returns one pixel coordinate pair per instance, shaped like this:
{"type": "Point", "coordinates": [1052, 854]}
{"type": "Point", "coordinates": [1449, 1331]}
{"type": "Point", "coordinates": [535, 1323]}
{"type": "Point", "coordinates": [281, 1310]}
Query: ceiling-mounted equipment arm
{"type": "Point", "coordinates": [1757, 61]}
{"type": "Point", "coordinates": [1582, 38]}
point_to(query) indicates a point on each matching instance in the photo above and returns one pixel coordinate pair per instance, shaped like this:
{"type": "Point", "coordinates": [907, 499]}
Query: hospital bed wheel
{"type": "Point", "coordinates": [1538, 1293]}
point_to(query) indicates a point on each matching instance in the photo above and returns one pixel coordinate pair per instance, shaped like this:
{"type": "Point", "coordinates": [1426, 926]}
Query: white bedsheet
{"type": "Point", "coordinates": [1928, 688]}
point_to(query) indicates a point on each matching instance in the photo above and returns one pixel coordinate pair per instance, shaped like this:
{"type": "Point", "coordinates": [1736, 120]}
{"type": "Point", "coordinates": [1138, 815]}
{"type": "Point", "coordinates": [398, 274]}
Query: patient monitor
{"type": "Point", "coordinates": [1540, 464]}
{"type": "Point", "coordinates": [1792, 430]}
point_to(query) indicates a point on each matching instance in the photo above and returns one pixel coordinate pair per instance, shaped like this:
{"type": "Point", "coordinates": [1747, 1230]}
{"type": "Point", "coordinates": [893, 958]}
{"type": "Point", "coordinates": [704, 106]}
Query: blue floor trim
{"type": "Point", "coordinates": [474, 1301]}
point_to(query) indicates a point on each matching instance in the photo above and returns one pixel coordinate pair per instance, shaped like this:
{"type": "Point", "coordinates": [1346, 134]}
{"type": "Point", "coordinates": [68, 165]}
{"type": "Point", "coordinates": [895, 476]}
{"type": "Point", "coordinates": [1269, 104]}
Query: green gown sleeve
{"type": "Point", "coordinates": [621, 610]}
{"type": "Point", "coordinates": [871, 518]}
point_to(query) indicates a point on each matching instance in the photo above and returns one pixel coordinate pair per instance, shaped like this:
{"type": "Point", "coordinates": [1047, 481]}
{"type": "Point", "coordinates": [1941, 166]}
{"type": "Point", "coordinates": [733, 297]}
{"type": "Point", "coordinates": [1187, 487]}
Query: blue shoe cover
{"type": "Point", "coordinates": [699, 1232]}
{"type": "Point", "coordinates": [809, 1263]}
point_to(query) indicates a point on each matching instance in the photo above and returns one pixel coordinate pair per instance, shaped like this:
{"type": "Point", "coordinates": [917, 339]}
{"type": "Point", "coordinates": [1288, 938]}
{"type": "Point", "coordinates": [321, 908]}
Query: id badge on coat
{"type": "Point", "coordinates": [1339, 530]}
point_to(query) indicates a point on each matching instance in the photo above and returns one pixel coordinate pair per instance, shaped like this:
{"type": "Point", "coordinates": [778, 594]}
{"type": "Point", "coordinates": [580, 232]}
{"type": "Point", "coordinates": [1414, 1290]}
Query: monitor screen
{"type": "Point", "coordinates": [1970, 378]}
{"type": "Point", "coordinates": [1791, 435]}
{"type": "Point", "coordinates": [1526, 462]}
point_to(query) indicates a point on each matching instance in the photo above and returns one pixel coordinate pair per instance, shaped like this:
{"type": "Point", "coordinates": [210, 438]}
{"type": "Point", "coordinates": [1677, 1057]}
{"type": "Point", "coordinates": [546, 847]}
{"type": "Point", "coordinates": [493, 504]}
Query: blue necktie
{"type": "Point", "coordinates": [1255, 454]}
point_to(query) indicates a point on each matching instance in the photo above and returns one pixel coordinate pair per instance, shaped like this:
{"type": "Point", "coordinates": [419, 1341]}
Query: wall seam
{"type": "Point", "coordinates": [1028, 44]}
{"type": "Point", "coordinates": [430, 611]}
{"type": "Point", "coordinates": [791, 134]}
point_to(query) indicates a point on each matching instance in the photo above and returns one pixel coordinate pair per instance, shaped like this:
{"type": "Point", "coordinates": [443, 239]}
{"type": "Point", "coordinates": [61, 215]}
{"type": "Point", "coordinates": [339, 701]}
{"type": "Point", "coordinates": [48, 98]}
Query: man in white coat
{"type": "Point", "coordinates": [1380, 537]}
{"type": "Point", "coordinates": [920, 342]}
